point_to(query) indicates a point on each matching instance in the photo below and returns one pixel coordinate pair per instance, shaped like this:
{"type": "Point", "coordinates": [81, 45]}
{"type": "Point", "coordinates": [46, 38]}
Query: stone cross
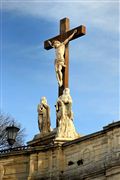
{"type": "Point", "coordinates": [64, 34]}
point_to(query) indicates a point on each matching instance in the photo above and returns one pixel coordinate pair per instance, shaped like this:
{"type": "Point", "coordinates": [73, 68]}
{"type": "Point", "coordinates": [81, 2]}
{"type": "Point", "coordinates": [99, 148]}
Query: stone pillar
{"type": "Point", "coordinates": [40, 162]}
{"type": "Point", "coordinates": [33, 169]}
{"type": "Point", "coordinates": [1, 172]}
{"type": "Point", "coordinates": [60, 163]}
{"type": "Point", "coordinates": [43, 165]}
{"type": "Point", "coordinates": [50, 164]}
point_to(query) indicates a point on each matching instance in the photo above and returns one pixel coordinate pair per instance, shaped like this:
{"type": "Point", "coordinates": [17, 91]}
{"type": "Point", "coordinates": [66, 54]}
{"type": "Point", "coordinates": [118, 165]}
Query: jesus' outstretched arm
{"type": "Point", "coordinates": [70, 37]}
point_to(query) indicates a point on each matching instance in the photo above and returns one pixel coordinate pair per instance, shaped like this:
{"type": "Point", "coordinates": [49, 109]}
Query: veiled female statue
{"type": "Point", "coordinates": [64, 115]}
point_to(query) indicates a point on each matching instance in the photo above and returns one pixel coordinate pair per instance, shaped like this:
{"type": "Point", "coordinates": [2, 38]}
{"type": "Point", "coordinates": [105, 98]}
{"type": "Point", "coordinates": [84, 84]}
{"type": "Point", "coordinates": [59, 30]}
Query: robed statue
{"type": "Point", "coordinates": [64, 116]}
{"type": "Point", "coordinates": [43, 116]}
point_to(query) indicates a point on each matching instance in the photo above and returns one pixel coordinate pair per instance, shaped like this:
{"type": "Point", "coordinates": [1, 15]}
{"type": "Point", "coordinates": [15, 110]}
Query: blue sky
{"type": "Point", "coordinates": [27, 69]}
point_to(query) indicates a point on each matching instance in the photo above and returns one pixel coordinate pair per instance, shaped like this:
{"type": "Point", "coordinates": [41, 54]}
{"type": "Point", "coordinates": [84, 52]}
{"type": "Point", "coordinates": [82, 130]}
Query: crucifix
{"type": "Point", "coordinates": [63, 39]}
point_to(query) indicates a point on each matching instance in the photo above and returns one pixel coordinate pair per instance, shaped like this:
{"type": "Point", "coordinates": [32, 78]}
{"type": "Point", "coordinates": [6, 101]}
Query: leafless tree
{"type": "Point", "coordinates": [6, 120]}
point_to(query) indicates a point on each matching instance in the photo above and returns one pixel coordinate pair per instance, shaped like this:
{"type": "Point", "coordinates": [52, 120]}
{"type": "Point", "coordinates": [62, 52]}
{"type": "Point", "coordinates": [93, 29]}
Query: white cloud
{"type": "Point", "coordinates": [103, 14]}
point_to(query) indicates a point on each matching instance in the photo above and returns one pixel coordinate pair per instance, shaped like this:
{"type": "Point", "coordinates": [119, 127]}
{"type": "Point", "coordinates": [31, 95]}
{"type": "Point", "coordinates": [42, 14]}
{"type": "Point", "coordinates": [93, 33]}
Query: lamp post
{"type": "Point", "coordinates": [11, 134]}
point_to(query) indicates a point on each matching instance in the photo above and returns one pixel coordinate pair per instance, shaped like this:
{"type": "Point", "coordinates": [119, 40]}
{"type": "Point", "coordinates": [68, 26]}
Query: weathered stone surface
{"type": "Point", "coordinates": [92, 157]}
{"type": "Point", "coordinates": [64, 114]}
{"type": "Point", "coordinates": [44, 116]}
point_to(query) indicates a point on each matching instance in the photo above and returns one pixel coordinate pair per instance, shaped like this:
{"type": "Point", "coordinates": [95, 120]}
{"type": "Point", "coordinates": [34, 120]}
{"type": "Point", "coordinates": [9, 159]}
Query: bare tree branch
{"type": "Point", "coordinates": [6, 120]}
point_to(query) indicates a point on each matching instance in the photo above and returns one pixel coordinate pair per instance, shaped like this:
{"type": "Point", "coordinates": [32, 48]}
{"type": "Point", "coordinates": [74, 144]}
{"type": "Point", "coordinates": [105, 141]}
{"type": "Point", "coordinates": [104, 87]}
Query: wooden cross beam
{"type": "Point", "coordinates": [64, 34]}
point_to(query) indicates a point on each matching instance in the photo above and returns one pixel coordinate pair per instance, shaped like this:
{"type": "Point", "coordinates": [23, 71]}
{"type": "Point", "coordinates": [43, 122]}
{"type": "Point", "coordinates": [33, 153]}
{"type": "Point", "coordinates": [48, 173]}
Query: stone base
{"type": "Point", "coordinates": [66, 129]}
{"type": "Point", "coordinates": [50, 138]}
{"type": "Point", "coordinates": [43, 139]}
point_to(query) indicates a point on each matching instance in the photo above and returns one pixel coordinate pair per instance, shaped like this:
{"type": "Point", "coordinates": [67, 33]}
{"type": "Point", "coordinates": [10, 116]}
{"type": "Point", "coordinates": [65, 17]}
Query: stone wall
{"type": "Point", "coordinates": [14, 167]}
{"type": "Point", "coordinates": [92, 157]}
{"type": "Point", "coordinates": [95, 156]}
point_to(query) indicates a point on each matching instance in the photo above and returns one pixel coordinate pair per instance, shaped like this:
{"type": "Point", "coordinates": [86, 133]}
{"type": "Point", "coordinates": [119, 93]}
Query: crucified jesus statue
{"type": "Point", "coordinates": [59, 59]}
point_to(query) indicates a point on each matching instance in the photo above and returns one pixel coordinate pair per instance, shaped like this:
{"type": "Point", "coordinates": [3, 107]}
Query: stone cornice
{"type": "Point", "coordinates": [33, 149]}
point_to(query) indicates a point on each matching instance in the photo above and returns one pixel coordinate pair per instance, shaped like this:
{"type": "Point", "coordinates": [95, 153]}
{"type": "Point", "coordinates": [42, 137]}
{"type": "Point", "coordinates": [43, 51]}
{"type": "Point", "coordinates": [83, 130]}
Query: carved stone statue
{"type": "Point", "coordinates": [43, 116]}
{"type": "Point", "coordinates": [64, 115]}
{"type": "Point", "coordinates": [59, 60]}
{"type": "Point", "coordinates": [64, 105]}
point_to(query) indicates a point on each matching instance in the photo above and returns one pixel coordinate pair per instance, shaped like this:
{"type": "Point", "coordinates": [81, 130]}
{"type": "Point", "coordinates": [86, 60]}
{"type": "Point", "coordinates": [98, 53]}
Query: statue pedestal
{"type": "Point", "coordinates": [43, 139]}
{"type": "Point", "coordinates": [49, 138]}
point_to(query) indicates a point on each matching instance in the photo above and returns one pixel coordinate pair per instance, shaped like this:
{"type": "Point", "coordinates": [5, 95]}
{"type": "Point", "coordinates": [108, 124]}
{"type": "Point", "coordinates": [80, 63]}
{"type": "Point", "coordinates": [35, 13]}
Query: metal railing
{"type": "Point", "coordinates": [21, 148]}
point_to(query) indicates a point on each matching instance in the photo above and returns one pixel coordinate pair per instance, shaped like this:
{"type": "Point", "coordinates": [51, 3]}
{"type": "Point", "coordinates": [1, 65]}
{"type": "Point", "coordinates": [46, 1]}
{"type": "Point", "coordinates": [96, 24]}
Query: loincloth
{"type": "Point", "coordinates": [59, 62]}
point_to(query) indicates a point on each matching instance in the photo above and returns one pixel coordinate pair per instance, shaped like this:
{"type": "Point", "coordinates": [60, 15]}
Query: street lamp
{"type": "Point", "coordinates": [11, 134]}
